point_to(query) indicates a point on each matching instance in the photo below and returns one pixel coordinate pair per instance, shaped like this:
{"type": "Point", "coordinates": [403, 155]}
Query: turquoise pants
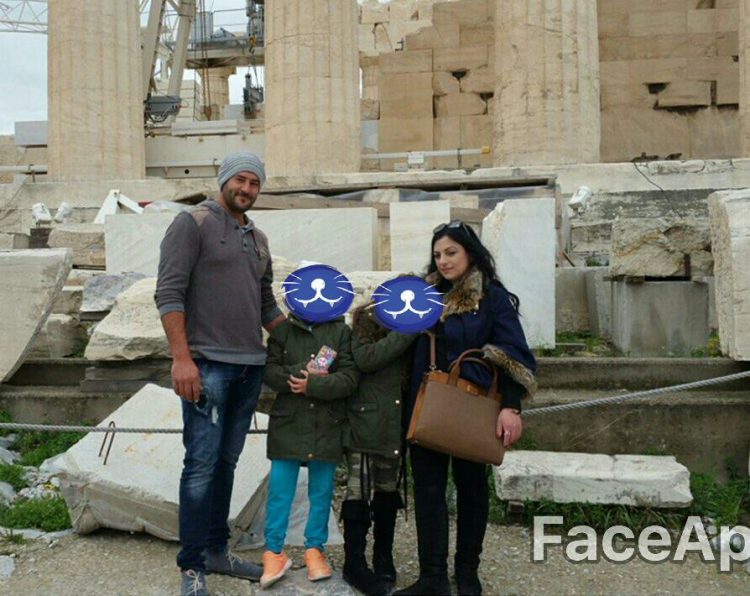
{"type": "Point", "coordinates": [282, 485]}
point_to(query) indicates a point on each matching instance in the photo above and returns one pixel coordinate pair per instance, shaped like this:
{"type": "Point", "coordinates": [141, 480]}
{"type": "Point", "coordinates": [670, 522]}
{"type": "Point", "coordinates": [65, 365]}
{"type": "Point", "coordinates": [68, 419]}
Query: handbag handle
{"type": "Point", "coordinates": [455, 370]}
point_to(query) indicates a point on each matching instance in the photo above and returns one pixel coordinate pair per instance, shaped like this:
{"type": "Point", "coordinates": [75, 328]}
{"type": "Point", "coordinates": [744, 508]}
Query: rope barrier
{"type": "Point", "coordinates": [604, 401]}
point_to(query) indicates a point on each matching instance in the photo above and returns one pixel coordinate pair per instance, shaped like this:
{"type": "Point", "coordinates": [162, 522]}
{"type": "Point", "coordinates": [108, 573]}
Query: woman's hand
{"type": "Point", "coordinates": [298, 385]}
{"type": "Point", "coordinates": [509, 426]}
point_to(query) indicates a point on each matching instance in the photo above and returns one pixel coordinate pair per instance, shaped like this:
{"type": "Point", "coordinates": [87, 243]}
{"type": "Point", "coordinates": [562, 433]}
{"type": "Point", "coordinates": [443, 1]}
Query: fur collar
{"type": "Point", "coordinates": [463, 297]}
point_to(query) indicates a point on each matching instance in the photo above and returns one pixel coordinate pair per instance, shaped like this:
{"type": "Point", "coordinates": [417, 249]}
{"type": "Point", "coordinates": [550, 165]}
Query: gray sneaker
{"type": "Point", "coordinates": [227, 563]}
{"type": "Point", "coordinates": [193, 583]}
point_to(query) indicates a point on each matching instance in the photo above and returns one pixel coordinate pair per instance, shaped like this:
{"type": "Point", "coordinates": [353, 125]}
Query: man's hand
{"type": "Point", "coordinates": [186, 379]}
{"type": "Point", "coordinates": [298, 385]}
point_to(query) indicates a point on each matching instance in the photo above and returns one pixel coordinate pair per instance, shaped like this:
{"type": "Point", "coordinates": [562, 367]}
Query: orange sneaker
{"type": "Point", "coordinates": [317, 566]}
{"type": "Point", "coordinates": [274, 567]}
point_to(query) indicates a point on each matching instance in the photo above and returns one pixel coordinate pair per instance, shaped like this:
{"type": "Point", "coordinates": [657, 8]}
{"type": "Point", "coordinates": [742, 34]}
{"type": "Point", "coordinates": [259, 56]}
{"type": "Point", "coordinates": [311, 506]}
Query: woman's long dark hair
{"type": "Point", "coordinates": [479, 257]}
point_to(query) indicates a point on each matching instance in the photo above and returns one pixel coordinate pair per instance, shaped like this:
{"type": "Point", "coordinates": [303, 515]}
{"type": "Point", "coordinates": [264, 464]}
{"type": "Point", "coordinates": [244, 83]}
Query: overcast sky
{"type": "Point", "coordinates": [23, 72]}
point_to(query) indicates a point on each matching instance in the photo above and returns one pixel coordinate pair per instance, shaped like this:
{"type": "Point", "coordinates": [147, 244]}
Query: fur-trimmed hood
{"type": "Point", "coordinates": [463, 298]}
{"type": "Point", "coordinates": [365, 325]}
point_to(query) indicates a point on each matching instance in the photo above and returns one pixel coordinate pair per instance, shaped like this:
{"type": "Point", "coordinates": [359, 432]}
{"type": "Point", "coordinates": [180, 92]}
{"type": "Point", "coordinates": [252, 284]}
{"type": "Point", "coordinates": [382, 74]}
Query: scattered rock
{"type": "Point", "coordinates": [7, 567]}
{"type": "Point", "coordinates": [7, 493]}
{"type": "Point", "coordinates": [132, 330]}
{"type": "Point", "coordinates": [8, 457]}
{"type": "Point", "coordinates": [7, 442]}
{"type": "Point", "coordinates": [661, 247]}
{"type": "Point", "coordinates": [86, 240]}
{"type": "Point", "coordinates": [100, 292]}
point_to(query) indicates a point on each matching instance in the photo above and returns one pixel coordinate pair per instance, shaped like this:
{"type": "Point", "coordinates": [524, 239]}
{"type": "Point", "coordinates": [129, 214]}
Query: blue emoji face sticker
{"type": "Point", "coordinates": [407, 304]}
{"type": "Point", "coordinates": [318, 293]}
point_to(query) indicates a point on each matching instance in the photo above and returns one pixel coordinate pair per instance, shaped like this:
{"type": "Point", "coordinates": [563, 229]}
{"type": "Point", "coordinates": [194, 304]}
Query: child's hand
{"type": "Point", "coordinates": [312, 368]}
{"type": "Point", "coordinates": [298, 385]}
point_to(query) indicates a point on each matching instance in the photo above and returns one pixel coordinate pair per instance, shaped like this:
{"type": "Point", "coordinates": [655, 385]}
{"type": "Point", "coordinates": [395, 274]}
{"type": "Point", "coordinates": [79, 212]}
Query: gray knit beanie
{"type": "Point", "coordinates": [241, 161]}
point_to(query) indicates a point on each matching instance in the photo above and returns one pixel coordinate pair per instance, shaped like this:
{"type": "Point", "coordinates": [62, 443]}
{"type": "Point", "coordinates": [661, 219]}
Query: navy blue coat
{"type": "Point", "coordinates": [496, 322]}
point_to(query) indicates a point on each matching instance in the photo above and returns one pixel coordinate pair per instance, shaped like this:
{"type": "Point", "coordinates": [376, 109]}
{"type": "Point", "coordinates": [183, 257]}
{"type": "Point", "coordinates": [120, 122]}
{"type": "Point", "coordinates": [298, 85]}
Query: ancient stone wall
{"type": "Point", "coordinates": [669, 77]}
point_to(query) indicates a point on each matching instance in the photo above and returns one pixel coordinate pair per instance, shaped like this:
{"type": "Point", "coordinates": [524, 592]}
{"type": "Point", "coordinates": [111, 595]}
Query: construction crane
{"type": "Point", "coordinates": [169, 32]}
{"type": "Point", "coordinates": [23, 16]}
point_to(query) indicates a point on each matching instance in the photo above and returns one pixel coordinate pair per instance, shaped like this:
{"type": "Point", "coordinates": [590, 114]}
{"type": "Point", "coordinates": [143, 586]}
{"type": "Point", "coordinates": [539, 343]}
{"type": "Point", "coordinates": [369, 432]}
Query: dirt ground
{"type": "Point", "coordinates": [117, 563]}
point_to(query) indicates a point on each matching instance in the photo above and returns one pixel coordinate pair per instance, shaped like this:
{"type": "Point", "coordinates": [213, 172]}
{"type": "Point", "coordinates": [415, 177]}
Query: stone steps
{"type": "Point", "coordinates": [554, 373]}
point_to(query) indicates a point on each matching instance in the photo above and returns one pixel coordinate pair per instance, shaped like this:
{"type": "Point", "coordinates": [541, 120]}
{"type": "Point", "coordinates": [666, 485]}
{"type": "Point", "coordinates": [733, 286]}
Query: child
{"type": "Point", "coordinates": [307, 422]}
{"type": "Point", "coordinates": [374, 416]}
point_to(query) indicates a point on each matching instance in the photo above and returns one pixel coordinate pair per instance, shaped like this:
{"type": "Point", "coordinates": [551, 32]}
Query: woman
{"type": "Point", "coordinates": [479, 313]}
{"type": "Point", "coordinates": [374, 414]}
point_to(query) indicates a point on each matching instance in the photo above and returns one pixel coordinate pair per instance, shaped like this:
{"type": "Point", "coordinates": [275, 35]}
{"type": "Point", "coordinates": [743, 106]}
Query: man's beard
{"type": "Point", "coordinates": [230, 197]}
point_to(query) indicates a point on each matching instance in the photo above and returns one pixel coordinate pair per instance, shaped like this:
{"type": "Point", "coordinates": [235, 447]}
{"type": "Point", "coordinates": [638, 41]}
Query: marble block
{"type": "Point", "coordinates": [85, 239]}
{"type": "Point", "coordinates": [342, 238]}
{"type": "Point", "coordinates": [729, 213]}
{"type": "Point", "coordinates": [520, 234]}
{"type": "Point", "coordinates": [411, 228]}
{"type": "Point", "coordinates": [138, 488]}
{"type": "Point", "coordinates": [132, 329]}
{"type": "Point", "coordinates": [640, 480]}
{"type": "Point", "coordinates": [31, 281]}
{"type": "Point", "coordinates": [132, 241]}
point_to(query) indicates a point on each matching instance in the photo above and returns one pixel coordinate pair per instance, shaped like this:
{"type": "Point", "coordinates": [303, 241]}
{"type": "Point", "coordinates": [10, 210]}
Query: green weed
{"type": "Point", "coordinates": [711, 350]}
{"type": "Point", "coordinates": [35, 447]}
{"type": "Point", "coordinates": [50, 515]}
{"type": "Point", "coordinates": [13, 474]}
{"type": "Point", "coordinates": [13, 538]}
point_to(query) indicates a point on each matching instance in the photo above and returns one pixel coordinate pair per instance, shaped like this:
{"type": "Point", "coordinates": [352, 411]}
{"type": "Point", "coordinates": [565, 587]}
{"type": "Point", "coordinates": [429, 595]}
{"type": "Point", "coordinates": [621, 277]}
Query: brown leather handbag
{"type": "Point", "coordinates": [454, 416]}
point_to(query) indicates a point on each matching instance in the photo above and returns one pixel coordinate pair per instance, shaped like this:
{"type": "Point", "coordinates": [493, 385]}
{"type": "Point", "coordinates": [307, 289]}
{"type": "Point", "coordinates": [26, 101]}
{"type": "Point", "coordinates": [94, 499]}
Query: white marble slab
{"type": "Point", "coordinates": [342, 238]}
{"type": "Point", "coordinates": [132, 241]}
{"type": "Point", "coordinates": [137, 490]}
{"type": "Point", "coordinates": [31, 281]}
{"type": "Point", "coordinates": [640, 480]}
{"type": "Point", "coordinates": [411, 232]}
{"type": "Point", "coordinates": [520, 234]}
{"type": "Point", "coordinates": [729, 213]}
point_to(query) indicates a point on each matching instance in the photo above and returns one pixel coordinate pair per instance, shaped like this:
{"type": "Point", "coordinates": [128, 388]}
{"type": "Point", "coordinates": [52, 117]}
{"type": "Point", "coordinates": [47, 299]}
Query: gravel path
{"type": "Point", "coordinates": [117, 563]}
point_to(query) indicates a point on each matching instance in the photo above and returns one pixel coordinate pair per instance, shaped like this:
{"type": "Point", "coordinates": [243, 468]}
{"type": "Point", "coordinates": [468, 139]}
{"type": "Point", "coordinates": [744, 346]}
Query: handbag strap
{"type": "Point", "coordinates": [455, 371]}
{"type": "Point", "coordinates": [433, 351]}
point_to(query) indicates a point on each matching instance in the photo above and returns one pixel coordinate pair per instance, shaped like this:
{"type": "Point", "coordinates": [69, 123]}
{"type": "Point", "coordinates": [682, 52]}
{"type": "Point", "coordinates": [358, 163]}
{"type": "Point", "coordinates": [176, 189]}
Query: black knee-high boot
{"type": "Point", "coordinates": [471, 525]}
{"type": "Point", "coordinates": [356, 517]}
{"type": "Point", "coordinates": [431, 513]}
{"type": "Point", "coordinates": [385, 506]}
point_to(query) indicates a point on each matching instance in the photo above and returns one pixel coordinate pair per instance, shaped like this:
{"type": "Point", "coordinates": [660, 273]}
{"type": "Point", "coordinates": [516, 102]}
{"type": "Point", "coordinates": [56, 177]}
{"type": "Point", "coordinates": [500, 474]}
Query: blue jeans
{"type": "Point", "coordinates": [213, 434]}
{"type": "Point", "coordinates": [282, 485]}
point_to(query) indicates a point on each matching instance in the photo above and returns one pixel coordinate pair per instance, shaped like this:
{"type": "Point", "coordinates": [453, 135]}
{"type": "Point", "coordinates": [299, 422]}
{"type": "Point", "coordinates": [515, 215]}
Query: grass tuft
{"type": "Point", "coordinates": [50, 514]}
{"type": "Point", "coordinates": [14, 475]}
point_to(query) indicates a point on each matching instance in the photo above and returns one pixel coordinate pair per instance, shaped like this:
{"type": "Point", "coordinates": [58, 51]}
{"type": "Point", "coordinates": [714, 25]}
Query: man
{"type": "Point", "coordinates": [214, 293]}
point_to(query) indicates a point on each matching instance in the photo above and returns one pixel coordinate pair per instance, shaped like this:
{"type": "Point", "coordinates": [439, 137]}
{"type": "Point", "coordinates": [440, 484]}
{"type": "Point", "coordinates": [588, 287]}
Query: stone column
{"type": "Point", "coordinates": [547, 82]}
{"type": "Point", "coordinates": [312, 87]}
{"type": "Point", "coordinates": [744, 29]}
{"type": "Point", "coordinates": [95, 91]}
{"type": "Point", "coordinates": [217, 82]}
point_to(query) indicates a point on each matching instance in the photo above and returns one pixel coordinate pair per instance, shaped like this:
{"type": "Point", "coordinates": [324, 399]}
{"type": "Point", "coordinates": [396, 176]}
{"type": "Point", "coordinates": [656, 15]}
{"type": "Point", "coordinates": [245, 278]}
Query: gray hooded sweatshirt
{"type": "Point", "coordinates": [219, 274]}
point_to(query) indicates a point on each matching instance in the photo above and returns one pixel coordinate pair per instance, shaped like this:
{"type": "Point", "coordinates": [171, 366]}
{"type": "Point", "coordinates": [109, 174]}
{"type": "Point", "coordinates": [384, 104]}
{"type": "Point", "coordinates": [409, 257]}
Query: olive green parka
{"type": "Point", "coordinates": [374, 411]}
{"type": "Point", "coordinates": [312, 426]}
